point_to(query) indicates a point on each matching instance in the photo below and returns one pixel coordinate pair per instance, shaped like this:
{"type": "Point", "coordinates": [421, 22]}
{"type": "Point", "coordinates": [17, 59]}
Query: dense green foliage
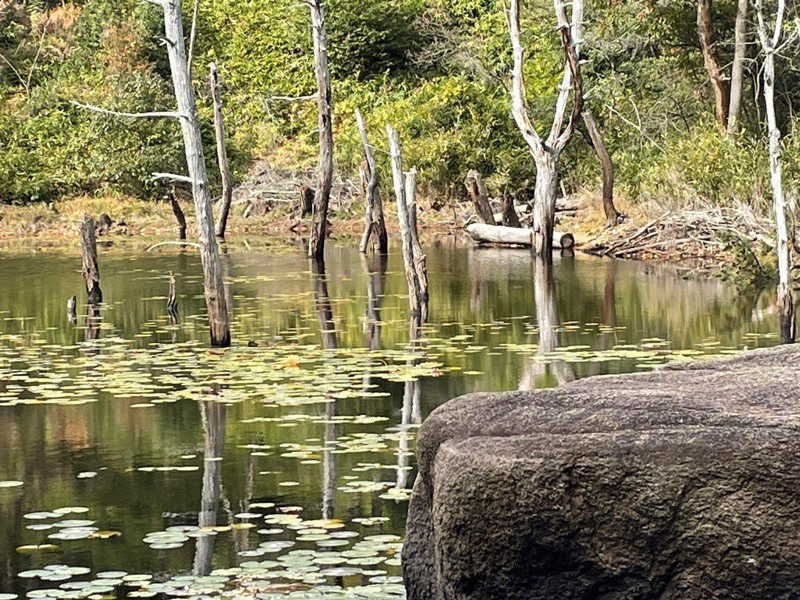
{"type": "Point", "coordinates": [435, 69]}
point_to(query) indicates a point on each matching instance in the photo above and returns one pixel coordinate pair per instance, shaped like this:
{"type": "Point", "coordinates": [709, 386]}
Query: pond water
{"type": "Point", "coordinates": [136, 462]}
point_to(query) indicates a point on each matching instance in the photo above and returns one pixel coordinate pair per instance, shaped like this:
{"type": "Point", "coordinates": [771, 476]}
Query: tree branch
{"type": "Point", "coordinates": [173, 177]}
{"type": "Point", "coordinates": [146, 115]}
{"type": "Point", "coordinates": [519, 108]}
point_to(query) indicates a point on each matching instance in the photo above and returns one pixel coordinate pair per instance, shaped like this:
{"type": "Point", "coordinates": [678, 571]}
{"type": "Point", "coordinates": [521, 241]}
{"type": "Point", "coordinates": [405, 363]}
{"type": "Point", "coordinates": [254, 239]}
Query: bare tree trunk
{"type": "Point", "coordinates": [316, 245]}
{"type": "Point", "coordinates": [218, 319]}
{"type": "Point", "coordinates": [480, 197]}
{"type": "Point", "coordinates": [179, 216]}
{"type": "Point", "coordinates": [737, 69]}
{"type": "Point", "coordinates": [193, 34]}
{"type": "Point", "coordinates": [91, 270]}
{"type": "Point", "coordinates": [510, 216]}
{"type": "Point", "coordinates": [711, 61]}
{"type": "Point", "coordinates": [608, 168]}
{"type": "Point", "coordinates": [546, 152]}
{"type": "Point", "coordinates": [222, 153]}
{"type": "Point", "coordinates": [375, 223]}
{"type": "Point", "coordinates": [785, 296]}
{"type": "Point", "coordinates": [413, 258]}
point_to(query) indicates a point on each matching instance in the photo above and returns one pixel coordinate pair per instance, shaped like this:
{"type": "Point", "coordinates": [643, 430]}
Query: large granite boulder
{"type": "Point", "coordinates": [678, 484]}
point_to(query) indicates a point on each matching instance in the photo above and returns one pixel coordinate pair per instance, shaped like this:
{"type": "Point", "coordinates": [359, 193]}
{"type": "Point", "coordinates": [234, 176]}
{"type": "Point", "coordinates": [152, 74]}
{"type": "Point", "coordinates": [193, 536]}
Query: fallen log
{"type": "Point", "coordinates": [497, 234]}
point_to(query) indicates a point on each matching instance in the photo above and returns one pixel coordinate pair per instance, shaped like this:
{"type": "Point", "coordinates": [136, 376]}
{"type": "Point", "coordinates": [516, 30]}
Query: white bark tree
{"type": "Point", "coordinates": [214, 288]}
{"type": "Point", "coordinates": [770, 43]}
{"type": "Point", "coordinates": [546, 152]}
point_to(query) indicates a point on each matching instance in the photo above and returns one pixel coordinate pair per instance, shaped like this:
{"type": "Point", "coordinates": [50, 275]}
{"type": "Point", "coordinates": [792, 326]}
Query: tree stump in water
{"type": "Point", "coordinates": [179, 216]}
{"type": "Point", "coordinates": [480, 197]}
{"type": "Point", "coordinates": [90, 271]}
{"type": "Point", "coordinates": [72, 310]}
{"type": "Point", "coordinates": [172, 298]}
{"type": "Point", "coordinates": [306, 201]}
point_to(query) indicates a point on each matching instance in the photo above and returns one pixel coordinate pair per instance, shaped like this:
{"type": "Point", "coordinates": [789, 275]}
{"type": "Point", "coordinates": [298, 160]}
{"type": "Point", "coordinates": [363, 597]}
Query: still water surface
{"type": "Point", "coordinates": [124, 445]}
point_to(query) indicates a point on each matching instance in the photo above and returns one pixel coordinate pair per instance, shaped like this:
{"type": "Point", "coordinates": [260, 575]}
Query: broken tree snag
{"type": "Point", "coordinates": [172, 298]}
{"type": "Point", "coordinates": [91, 271]}
{"type": "Point", "coordinates": [222, 152]}
{"type": "Point", "coordinates": [306, 201]}
{"type": "Point", "coordinates": [72, 310]}
{"type": "Point", "coordinates": [179, 216]}
{"type": "Point", "coordinates": [479, 196]}
{"type": "Point", "coordinates": [375, 223]}
{"type": "Point", "coordinates": [319, 225]}
{"type": "Point", "coordinates": [611, 213]}
{"type": "Point", "coordinates": [510, 217]}
{"type": "Point", "coordinates": [219, 321]}
{"type": "Point", "coordinates": [514, 236]}
{"type": "Point", "coordinates": [413, 259]}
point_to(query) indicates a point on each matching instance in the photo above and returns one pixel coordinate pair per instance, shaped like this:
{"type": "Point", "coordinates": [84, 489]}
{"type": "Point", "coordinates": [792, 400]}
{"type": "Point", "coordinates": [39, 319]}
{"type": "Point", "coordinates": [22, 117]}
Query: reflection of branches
{"type": "Point", "coordinates": [547, 322]}
{"type": "Point", "coordinates": [322, 303]}
{"type": "Point", "coordinates": [92, 321]}
{"type": "Point", "coordinates": [411, 412]}
{"type": "Point", "coordinates": [214, 415]}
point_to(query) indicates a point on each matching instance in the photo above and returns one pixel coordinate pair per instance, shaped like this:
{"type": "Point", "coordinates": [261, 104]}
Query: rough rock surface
{"type": "Point", "coordinates": [678, 484]}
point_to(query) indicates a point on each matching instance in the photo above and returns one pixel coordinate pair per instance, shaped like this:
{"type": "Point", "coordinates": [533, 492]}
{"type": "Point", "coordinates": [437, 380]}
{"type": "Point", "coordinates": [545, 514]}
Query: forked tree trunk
{"type": "Point", "coordinates": [91, 270]}
{"type": "Point", "coordinates": [222, 153]}
{"type": "Point", "coordinates": [219, 322]}
{"type": "Point", "coordinates": [711, 62]}
{"type": "Point", "coordinates": [737, 69]}
{"type": "Point", "coordinates": [607, 166]}
{"type": "Point", "coordinates": [413, 259]}
{"type": "Point", "coordinates": [546, 152]}
{"type": "Point", "coordinates": [319, 225]}
{"type": "Point", "coordinates": [375, 222]}
{"type": "Point", "coordinates": [785, 295]}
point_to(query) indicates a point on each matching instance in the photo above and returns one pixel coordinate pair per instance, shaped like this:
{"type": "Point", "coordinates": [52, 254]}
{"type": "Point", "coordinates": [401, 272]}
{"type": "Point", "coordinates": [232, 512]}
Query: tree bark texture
{"type": "Point", "coordinates": [375, 222]}
{"type": "Point", "coordinates": [222, 153]}
{"type": "Point", "coordinates": [413, 258]}
{"type": "Point", "coordinates": [480, 197]}
{"type": "Point", "coordinates": [545, 153]}
{"type": "Point", "coordinates": [737, 69]}
{"type": "Point", "coordinates": [214, 289]}
{"type": "Point", "coordinates": [785, 296]}
{"type": "Point", "coordinates": [316, 245]}
{"type": "Point", "coordinates": [91, 270]}
{"type": "Point", "coordinates": [711, 61]}
{"type": "Point", "coordinates": [600, 149]}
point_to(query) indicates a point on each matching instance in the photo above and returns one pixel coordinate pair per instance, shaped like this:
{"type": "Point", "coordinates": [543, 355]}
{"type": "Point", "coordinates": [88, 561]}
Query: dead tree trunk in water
{"type": "Point", "coordinates": [172, 298]}
{"type": "Point", "coordinates": [510, 216]}
{"type": "Point", "coordinates": [480, 197]}
{"type": "Point", "coordinates": [91, 271]}
{"type": "Point", "coordinates": [319, 225]}
{"type": "Point", "coordinates": [214, 288]}
{"type": "Point", "coordinates": [375, 223]}
{"type": "Point", "coordinates": [546, 152]}
{"type": "Point", "coordinates": [178, 212]}
{"type": "Point", "coordinates": [611, 213]}
{"type": "Point", "coordinates": [413, 258]}
{"type": "Point", "coordinates": [769, 45]}
{"type": "Point", "coordinates": [222, 153]}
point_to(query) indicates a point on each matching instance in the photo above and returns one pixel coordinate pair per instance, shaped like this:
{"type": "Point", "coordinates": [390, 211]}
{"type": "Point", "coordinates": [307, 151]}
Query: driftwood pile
{"type": "Point", "coordinates": [267, 189]}
{"type": "Point", "coordinates": [684, 235]}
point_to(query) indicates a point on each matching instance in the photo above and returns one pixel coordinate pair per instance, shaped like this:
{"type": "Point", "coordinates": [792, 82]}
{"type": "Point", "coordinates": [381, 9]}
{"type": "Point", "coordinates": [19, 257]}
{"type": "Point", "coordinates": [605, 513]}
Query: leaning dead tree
{"type": "Point", "coordinates": [319, 225]}
{"type": "Point", "coordinates": [91, 270]}
{"type": "Point", "coordinates": [611, 213]}
{"type": "Point", "coordinates": [222, 153]}
{"type": "Point", "coordinates": [546, 152]}
{"type": "Point", "coordinates": [770, 46]}
{"type": "Point", "coordinates": [405, 189]}
{"type": "Point", "coordinates": [375, 223]}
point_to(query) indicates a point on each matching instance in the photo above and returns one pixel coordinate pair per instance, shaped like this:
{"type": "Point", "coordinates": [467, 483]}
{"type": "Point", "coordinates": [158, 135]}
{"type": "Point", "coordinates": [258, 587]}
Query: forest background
{"type": "Point", "coordinates": [437, 70]}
